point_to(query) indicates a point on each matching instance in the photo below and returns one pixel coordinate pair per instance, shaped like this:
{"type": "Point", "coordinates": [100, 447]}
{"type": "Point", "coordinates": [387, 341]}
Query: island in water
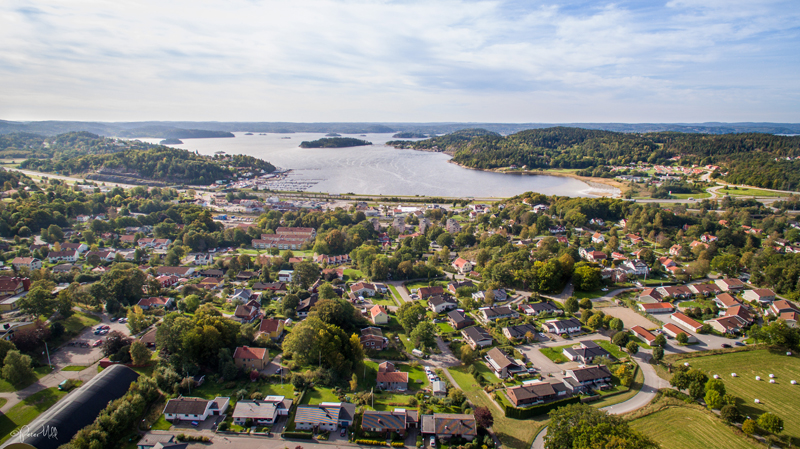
{"type": "Point", "coordinates": [410, 135]}
{"type": "Point", "coordinates": [334, 142]}
{"type": "Point", "coordinates": [333, 135]}
{"type": "Point", "coordinates": [248, 134]}
{"type": "Point", "coordinates": [170, 142]}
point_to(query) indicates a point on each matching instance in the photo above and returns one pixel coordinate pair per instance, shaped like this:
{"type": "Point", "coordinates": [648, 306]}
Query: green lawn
{"type": "Point", "coordinates": [689, 428]}
{"type": "Point", "coordinates": [416, 376]}
{"type": "Point", "coordinates": [445, 328]}
{"type": "Point", "coordinates": [385, 401]}
{"type": "Point", "coordinates": [513, 433]}
{"type": "Point", "coordinates": [73, 326]}
{"type": "Point", "coordinates": [211, 389]}
{"type": "Point", "coordinates": [684, 196]}
{"type": "Point", "coordinates": [781, 398]}
{"type": "Point", "coordinates": [396, 294]}
{"type": "Point", "coordinates": [555, 353]}
{"type": "Point", "coordinates": [27, 410]}
{"type": "Point", "coordinates": [612, 348]}
{"type": "Point", "coordinates": [385, 301]}
{"type": "Point", "coordinates": [74, 368]}
{"type": "Point", "coordinates": [353, 274]}
{"type": "Point", "coordinates": [622, 397]}
{"type": "Point", "coordinates": [591, 295]}
{"type": "Point", "coordinates": [161, 424]}
{"type": "Point", "coordinates": [319, 395]}
{"type": "Point", "coordinates": [415, 285]}
{"type": "Point", "coordinates": [748, 192]}
{"type": "Point", "coordinates": [6, 387]}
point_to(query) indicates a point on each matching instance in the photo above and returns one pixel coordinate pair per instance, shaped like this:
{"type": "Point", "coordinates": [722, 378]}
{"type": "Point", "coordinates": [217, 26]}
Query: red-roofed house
{"type": "Point", "coordinates": [392, 380]}
{"type": "Point", "coordinates": [155, 301]}
{"type": "Point", "coordinates": [762, 295]}
{"type": "Point", "coordinates": [271, 327]}
{"type": "Point", "coordinates": [686, 322]}
{"type": "Point", "coordinates": [248, 358]}
{"type": "Point", "coordinates": [740, 312]}
{"type": "Point", "coordinates": [378, 315]}
{"type": "Point", "coordinates": [725, 300]}
{"type": "Point", "coordinates": [659, 307]}
{"type": "Point", "coordinates": [727, 324]}
{"type": "Point", "coordinates": [644, 334]}
{"type": "Point", "coordinates": [730, 284]}
{"type": "Point", "coordinates": [363, 289]}
{"type": "Point", "coordinates": [462, 265]}
{"type": "Point", "coordinates": [673, 331]}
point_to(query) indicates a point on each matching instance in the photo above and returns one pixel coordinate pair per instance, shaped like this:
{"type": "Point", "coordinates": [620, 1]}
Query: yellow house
{"type": "Point", "coordinates": [247, 358]}
{"type": "Point", "coordinates": [272, 327]}
{"type": "Point", "coordinates": [379, 315]}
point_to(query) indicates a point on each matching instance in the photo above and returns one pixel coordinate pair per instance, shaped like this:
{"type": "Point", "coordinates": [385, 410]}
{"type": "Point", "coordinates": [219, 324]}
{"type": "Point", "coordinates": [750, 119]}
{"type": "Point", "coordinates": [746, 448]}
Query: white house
{"type": "Point", "coordinates": [285, 275]}
{"type": "Point", "coordinates": [462, 265]}
{"type": "Point", "coordinates": [636, 267]}
{"type": "Point", "coordinates": [569, 326]}
{"type": "Point", "coordinates": [194, 409]}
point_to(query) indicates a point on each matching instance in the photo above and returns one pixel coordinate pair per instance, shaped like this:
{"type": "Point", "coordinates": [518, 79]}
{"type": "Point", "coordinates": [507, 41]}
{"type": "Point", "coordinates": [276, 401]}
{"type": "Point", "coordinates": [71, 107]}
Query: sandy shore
{"type": "Point", "coordinates": [599, 186]}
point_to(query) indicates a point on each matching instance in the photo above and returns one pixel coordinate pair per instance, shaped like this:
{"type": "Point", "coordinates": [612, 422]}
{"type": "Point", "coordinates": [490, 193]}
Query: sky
{"type": "Point", "coordinates": [404, 61]}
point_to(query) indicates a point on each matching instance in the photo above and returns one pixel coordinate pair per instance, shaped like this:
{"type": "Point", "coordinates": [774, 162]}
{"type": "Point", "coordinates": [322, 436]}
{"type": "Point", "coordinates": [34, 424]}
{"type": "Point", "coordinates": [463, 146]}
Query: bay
{"type": "Point", "coordinates": [379, 169]}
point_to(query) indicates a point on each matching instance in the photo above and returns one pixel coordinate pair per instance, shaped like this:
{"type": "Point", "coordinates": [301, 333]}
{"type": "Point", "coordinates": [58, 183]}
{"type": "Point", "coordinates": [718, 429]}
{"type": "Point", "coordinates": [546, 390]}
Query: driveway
{"type": "Point", "coordinates": [629, 317]}
{"type": "Point", "coordinates": [443, 360]}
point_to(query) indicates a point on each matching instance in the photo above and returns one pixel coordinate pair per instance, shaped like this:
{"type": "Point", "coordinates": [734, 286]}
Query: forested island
{"type": "Point", "coordinates": [171, 142]}
{"type": "Point", "coordinates": [333, 135]}
{"type": "Point", "coordinates": [410, 135]}
{"type": "Point", "coordinates": [334, 142]}
{"type": "Point", "coordinates": [762, 160]}
{"type": "Point", "coordinates": [87, 153]}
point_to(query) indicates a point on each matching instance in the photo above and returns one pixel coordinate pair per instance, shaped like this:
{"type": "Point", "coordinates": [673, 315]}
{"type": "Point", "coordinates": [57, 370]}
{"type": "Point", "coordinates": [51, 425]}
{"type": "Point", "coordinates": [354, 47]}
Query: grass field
{"type": "Point", "coordinates": [27, 410]}
{"type": "Point", "coordinates": [319, 395]}
{"type": "Point", "coordinates": [161, 424]}
{"type": "Point", "coordinates": [781, 398]}
{"type": "Point", "coordinates": [638, 380]}
{"type": "Point", "coordinates": [748, 192]}
{"type": "Point", "coordinates": [74, 368]}
{"type": "Point", "coordinates": [684, 196]}
{"type": "Point", "coordinates": [513, 433]}
{"type": "Point", "coordinates": [555, 354]}
{"type": "Point", "coordinates": [689, 428]}
{"type": "Point", "coordinates": [353, 275]}
{"type": "Point", "coordinates": [445, 328]}
{"type": "Point", "coordinates": [613, 349]}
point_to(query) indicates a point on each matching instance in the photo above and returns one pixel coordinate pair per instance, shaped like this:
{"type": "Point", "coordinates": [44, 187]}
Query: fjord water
{"type": "Point", "coordinates": [381, 169]}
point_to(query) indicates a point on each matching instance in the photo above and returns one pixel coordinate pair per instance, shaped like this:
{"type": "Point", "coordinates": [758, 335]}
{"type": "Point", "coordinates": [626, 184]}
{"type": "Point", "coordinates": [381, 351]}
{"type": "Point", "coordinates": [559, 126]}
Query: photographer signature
{"type": "Point", "coordinates": [46, 431]}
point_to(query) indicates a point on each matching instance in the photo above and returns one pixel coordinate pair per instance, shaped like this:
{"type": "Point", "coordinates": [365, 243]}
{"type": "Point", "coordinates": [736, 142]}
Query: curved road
{"type": "Point", "coordinates": [652, 383]}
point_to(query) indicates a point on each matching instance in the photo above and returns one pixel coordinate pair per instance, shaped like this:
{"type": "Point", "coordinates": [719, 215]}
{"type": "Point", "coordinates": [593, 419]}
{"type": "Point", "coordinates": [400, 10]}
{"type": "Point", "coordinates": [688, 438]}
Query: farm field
{"type": "Point", "coordinates": [749, 192]}
{"type": "Point", "coordinates": [781, 398]}
{"type": "Point", "coordinates": [689, 428]}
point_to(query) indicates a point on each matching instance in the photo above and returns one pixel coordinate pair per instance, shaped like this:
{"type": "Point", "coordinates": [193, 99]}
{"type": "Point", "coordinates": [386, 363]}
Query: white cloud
{"type": "Point", "coordinates": [382, 60]}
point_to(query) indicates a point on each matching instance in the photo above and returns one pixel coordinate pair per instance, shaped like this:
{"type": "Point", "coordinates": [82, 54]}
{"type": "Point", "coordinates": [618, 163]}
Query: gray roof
{"type": "Point", "coordinates": [522, 329]}
{"type": "Point", "coordinates": [476, 333]}
{"type": "Point", "coordinates": [255, 409]}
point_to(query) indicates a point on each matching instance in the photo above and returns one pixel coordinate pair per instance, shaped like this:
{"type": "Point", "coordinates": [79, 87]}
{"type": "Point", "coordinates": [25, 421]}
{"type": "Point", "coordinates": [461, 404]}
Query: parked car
{"type": "Point", "coordinates": [725, 345]}
{"type": "Point", "coordinates": [343, 432]}
{"type": "Point", "coordinates": [113, 319]}
{"type": "Point", "coordinates": [195, 423]}
{"type": "Point", "coordinates": [97, 343]}
{"type": "Point", "coordinates": [123, 320]}
{"type": "Point", "coordinates": [433, 441]}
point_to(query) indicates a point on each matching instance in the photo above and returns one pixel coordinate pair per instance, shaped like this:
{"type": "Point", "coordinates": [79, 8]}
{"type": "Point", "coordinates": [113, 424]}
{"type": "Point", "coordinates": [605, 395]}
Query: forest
{"type": "Point", "coordinates": [762, 160]}
{"type": "Point", "coordinates": [334, 142]}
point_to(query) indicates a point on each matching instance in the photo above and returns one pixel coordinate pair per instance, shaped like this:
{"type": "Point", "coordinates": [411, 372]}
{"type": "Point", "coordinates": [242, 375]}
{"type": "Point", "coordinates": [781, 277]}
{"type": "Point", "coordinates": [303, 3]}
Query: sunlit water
{"type": "Point", "coordinates": [381, 169]}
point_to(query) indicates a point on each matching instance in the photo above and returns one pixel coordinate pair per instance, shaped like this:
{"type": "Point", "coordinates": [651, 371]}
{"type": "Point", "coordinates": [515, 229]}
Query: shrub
{"type": "Point", "coordinates": [730, 413]}
{"type": "Point", "coordinates": [371, 442]}
{"type": "Point", "coordinates": [749, 426]}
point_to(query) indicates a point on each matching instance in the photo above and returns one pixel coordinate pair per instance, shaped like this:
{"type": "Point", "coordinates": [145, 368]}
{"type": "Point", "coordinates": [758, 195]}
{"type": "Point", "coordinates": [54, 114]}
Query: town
{"type": "Point", "coordinates": [263, 319]}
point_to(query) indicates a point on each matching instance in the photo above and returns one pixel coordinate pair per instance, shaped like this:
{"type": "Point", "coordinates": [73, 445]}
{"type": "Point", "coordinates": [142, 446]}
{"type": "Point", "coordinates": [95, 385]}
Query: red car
{"type": "Point", "coordinates": [97, 343]}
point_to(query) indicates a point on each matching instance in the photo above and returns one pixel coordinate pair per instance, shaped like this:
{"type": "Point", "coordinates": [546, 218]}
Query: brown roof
{"type": "Point", "coordinates": [7, 284]}
{"type": "Point", "coordinates": [500, 358]}
{"type": "Point", "coordinates": [153, 301]}
{"type": "Point", "coordinates": [741, 312]}
{"type": "Point", "coordinates": [245, 352]}
{"type": "Point", "coordinates": [186, 406]}
{"type": "Point", "coordinates": [727, 300]}
{"type": "Point", "coordinates": [644, 333]}
{"type": "Point", "coordinates": [376, 310]}
{"type": "Point", "coordinates": [269, 325]}
{"type": "Point", "coordinates": [392, 376]}
{"type": "Point", "coordinates": [243, 311]}
{"type": "Point", "coordinates": [149, 338]}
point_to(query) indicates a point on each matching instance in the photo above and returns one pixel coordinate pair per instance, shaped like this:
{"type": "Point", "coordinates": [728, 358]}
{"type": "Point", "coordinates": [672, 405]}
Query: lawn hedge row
{"type": "Point", "coordinates": [298, 435]}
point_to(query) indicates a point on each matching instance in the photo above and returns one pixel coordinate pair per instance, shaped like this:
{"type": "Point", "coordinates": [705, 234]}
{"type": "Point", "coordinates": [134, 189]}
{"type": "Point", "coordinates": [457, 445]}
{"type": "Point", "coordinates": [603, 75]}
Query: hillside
{"type": "Point", "coordinates": [89, 154]}
{"type": "Point", "coordinates": [748, 158]}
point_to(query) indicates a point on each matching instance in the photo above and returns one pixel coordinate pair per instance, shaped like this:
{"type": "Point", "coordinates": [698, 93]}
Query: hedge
{"type": "Point", "coordinates": [525, 413]}
{"type": "Point", "coordinates": [298, 435]}
{"type": "Point", "coordinates": [371, 442]}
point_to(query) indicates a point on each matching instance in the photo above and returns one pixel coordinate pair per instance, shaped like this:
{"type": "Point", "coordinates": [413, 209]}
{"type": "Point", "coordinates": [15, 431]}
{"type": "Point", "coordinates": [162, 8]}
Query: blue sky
{"type": "Point", "coordinates": [359, 60]}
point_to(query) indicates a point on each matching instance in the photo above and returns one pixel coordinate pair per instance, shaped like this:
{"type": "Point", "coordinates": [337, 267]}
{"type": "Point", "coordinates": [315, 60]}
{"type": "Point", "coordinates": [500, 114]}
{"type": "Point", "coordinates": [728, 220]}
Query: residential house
{"type": "Point", "coordinates": [378, 315]}
{"type": "Point", "coordinates": [10, 286]}
{"type": "Point", "coordinates": [675, 250]}
{"type": "Point", "coordinates": [781, 306]}
{"type": "Point", "coordinates": [271, 286]}
{"type": "Point", "coordinates": [585, 352]}
{"type": "Point", "coordinates": [386, 423]}
{"type": "Point", "coordinates": [67, 255]}
{"type": "Point", "coordinates": [705, 289]}
{"type": "Point", "coordinates": [328, 416]}
{"type": "Point", "coordinates": [500, 295]}
{"type": "Point", "coordinates": [686, 322]}
{"type": "Point", "coordinates": [651, 296]}
{"type": "Point", "coordinates": [427, 292]}
{"type": "Point", "coordinates": [247, 358]}
{"type": "Point", "coordinates": [445, 426]}
{"type": "Point", "coordinates": [762, 295]}
{"type": "Point", "coordinates": [673, 331]}
{"type": "Point", "coordinates": [725, 300]}
{"type": "Point", "coordinates": [727, 324]}
{"type": "Point", "coordinates": [211, 283]}
{"type": "Point", "coordinates": [452, 226]}
{"type": "Point", "coordinates": [389, 378]}
{"type": "Point", "coordinates": [194, 409]}
{"type": "Point", "coordinates": [31, 263]}
{"type": "Point", "coordinates": [455, 285]}
{"type": "Point", "coordinates": [540, 307]}
{"type": "Point", "coordinates": [463, 266]}
{"type": "Point", "coordinates": [569, 326]}
{"type": "Point", "coordinates": [597, 238]}
{"type": "Point", "coordinates": [167, 281]}
{"type": "Point", "coordinates": [644, 334]}
{"type": "Point", "coordinates": [521, 332]}
{"type": "Point", "coordinates": [271, 327]}
{"type": "Point", "coordinates": [636, 267]}
{"type": "Point", "coordinates": [730, 284]}
{"type": "Point", "coordinates": [156, 302]}
{"type": "Point", "coordinates": [440, 304]}
{"type": "Point", "coordinates": [439, 388]}
{"type": "Point", "coordinates": [459, 320]}
{"type": "Point", "coordinates": [242, 295]}
{"type": "Point", "coordinates": [181, 272]}
{"type": "Point", "coordinates": [588, 378]}
{"type": "Point", "coordinates": [306, 304]}
{"type": "Point", "coordinates": [104, 256]}
{"type": "Point", "coordinates": [246, 314]}
{"type": "Point", "coordinates": [363, 289]}
{"type": "Point", "coordinates": [659, 307]}
{"type": "Point", "coordinates": [477, 337]}
{"type": "Point", "coordinates": [741, 313]}
{"type": "Point", "coordinates": [212, 273]}
{"type": "Point", "coordinates": [596, 256]}
{"type": "Point", "coordinates": [63, 268]}
{"type": "Point", "coordinates": [538, 392]}
{"type": "Point", "coordinates": [675, 291]}
{"type": "Point", "coordinates": [263, 412]}
{"type": "Point", "coordinates": [285, 275]}
{"type": "Point", "coordinates": [497, 313]}
{"type": "Point", "coordinates": [502, 365]}
{"type": "Point", "coordinates": [164, 441]}
{"type": "Point", "coordinates": [372, 338]}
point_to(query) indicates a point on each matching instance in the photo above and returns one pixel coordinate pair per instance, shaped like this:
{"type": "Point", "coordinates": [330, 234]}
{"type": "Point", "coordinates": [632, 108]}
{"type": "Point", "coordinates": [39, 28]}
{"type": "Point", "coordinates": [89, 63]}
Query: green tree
{"type": "Point", "coordinates": [137, 321]}
{"type": "Point", "coordinates": [620, 339]}
{"type": "Point", "coordinates": [191, 303]}
{"type": "Point", "coordinates": [660, 341]}
{"type": "Point", "coordinates": [409, 315]}
{"type": "Point", "coordinates": [290, 303]}
{"type": "Point", "coordinates": [616, 324]}
{"type": "Point", "coordinates": [749, 427]}
{"type": "Point", "coordinates": [140, 355]}
{"type": "Point", "coordinates": [680, 380]}
{"type": "Point", "coordinates": [713, 399]}
{"type": "Point", "coordinates": [586, 278]}
{"type": "Point", "coordinates": [727, 264]}
{"type": "Point", "coordinates": [771, 423]}
{"type": "Point", "coordinates": [584, 427]}
{"type": "Point", "coordinates": [571, 305]}
{"type": "Point", "coordinates": [586, 304]}
{"type": "Point", "coordinates": [632, 347]}
{"type": "Point", "coordinates": [595, 322]}
{"type": "Point", "coordinates": [730, 414]}
{"type": "Point", "coordinates": [658, 353]}
{"type": "Point", "coordinates": [305, 273]}
{"type": "Point", "coordinates": [39, 300]}
{"type": "Point", "coordinates": [424, 334]}
{"type": "Point", "coordinates": [697, 390]}
{"type": "Point", "coordinates": [6, 346]}
{"type": "Point", "coordinates": [682, 338]}
{"type": "Point", "coordinates": [716, 385]}
{"type": "Point", "coordinates": [468, 355]}
{"type": "Point", "coordinates": [17, 367]}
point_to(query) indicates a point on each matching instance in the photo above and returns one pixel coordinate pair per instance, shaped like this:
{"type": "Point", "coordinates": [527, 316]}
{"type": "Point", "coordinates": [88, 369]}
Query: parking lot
{"type": "Point", "coordinates": [79, 355]}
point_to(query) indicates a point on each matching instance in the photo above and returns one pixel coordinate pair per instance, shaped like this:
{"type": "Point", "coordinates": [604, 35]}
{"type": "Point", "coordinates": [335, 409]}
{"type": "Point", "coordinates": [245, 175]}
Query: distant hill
{"type": "Point", "coordinates": [449, 143]}
{"type": "Point", "coordinates": [410, 135]}
{"type": "Point", "coordinates": [334, 142]}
